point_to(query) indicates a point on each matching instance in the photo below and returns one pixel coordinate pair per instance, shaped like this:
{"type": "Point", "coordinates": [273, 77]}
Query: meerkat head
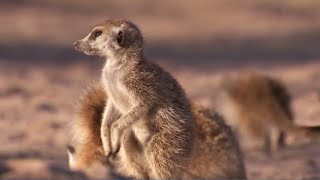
{"type": "Point", "coordinates": [111, 38]}
{"type": "Point", "coordinates": [73, 164]}
{"type": "Point", "coordinates": [76, 163]}
{"type": "Point", "coordinates": [88, 167]}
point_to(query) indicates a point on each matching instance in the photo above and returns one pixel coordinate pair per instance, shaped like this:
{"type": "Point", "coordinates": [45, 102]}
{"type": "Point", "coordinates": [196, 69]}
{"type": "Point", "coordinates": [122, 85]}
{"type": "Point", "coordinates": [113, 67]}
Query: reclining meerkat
{"type": "Point", "coordinates": [215, 155]}
{"type": "Point", "coordinates": [144, 102]}
{"type": "Point", "coordinates": [259, 108]}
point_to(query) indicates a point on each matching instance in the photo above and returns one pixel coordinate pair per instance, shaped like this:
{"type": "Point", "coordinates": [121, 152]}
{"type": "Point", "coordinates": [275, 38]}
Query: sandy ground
{"type": "Point", "coordinates": [38, 103]}
{"type": "Point", "coordinates": [41, 76]}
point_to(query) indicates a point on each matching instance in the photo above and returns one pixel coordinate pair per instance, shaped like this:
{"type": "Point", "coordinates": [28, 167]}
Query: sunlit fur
{"type": "Point", "coordinates": [215, 155]}
{"type": "Point", "coordinates": [86, 146]}
{"type": "Point", "coordinates": [145, 105]}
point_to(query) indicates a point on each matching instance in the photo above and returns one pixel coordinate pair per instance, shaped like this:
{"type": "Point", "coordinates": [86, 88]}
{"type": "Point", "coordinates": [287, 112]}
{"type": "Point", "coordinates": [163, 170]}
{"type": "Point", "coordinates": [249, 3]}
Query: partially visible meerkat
{"type": "Point", "coordinates": [144, 102]}
{"type": "Point", "coordinates": [86, 146]}
{"type": "Point", "coordinates": [259, 107]}
{"type": "Point", "coordinates": [216, 153]}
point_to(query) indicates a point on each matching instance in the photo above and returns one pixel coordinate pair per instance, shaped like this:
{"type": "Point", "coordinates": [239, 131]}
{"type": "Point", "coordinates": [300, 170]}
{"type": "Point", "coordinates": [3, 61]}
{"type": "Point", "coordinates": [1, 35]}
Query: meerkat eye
{"type": "Point", "coordinates": [97, 33]}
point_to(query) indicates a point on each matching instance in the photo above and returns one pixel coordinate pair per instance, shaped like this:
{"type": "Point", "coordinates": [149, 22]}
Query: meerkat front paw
{"type": "Point", "coordinates": [106, 140]}
{"type": "Point", "coordinates": [116, 136]}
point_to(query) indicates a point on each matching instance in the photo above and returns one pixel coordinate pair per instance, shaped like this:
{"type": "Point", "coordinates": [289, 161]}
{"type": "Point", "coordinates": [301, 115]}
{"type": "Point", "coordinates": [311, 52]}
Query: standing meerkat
{"type": "Point", "coordinates": [215, 154]}
{"type": "Point", "coordinates": [259, 107]}
{"type": "Point", "coordinates": [144, 102]}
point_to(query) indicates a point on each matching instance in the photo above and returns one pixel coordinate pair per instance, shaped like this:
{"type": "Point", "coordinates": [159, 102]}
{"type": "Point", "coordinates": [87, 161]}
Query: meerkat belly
{"type": "Point", "coordinates": [142, 130]}
{"type": "Point", "coordinates": [122, 103]}
{"type": "Point", "coordinates": [120, 96]}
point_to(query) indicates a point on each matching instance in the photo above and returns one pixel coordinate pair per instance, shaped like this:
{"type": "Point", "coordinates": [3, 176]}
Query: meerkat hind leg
{"type": "Point", "coordinates": [133, 156]}
{"type": "Point", "coordinates": [272, 139]}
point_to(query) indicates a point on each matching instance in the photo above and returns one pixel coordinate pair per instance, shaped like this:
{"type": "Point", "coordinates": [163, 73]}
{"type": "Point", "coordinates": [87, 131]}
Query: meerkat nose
{"type": "Point", "coordinates": [76, 43]}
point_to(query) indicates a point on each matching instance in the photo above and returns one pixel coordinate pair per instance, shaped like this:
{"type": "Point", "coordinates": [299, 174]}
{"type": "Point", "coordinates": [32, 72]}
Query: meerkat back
{"type": "Point", "coordinates": [217, 154]}
{"type": "Point", "coordinates": [260, 106]}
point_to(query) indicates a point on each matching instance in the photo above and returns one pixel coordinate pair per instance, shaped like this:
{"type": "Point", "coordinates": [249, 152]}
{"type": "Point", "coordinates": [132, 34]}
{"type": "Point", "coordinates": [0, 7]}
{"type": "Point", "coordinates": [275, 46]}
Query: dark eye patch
{"type": "Point", "coordinates": [96, 34]}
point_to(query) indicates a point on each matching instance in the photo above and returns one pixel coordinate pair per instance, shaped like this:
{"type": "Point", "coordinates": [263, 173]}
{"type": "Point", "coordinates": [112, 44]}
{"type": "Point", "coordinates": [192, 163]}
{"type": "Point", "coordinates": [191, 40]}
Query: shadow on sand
{"type": "Point", "coordinates": [222, 52]}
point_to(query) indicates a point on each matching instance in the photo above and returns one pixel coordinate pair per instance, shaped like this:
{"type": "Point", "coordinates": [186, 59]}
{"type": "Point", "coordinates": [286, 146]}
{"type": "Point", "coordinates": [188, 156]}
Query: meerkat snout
{"type": "Point", "coordinates": [76, 44]}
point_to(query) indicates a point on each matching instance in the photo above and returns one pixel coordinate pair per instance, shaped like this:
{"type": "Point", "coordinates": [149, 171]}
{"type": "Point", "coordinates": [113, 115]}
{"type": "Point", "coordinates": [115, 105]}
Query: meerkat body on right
{"type": "Point", "coordinates": [259, 108]}
{"type": "Point", "coordinates": [144, 102]}
{"type": "Point", "coordinates": [215, 154]}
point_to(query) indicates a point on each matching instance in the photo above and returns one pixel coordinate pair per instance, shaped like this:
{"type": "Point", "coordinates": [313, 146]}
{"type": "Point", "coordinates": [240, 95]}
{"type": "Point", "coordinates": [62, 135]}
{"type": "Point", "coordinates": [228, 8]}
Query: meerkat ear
{"type": "Point", "coordinates": [121, 38]}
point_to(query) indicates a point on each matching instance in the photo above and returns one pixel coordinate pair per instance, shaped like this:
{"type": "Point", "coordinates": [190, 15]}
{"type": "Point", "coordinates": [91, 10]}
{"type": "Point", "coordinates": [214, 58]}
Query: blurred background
{"type": "Point", "coordinates": [42, 76]}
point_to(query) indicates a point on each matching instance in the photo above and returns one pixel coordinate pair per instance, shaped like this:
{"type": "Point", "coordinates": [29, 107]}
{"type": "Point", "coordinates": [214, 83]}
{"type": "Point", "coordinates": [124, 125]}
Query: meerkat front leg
{"type": "Point", "coordinates": [110, 115]}
{"type": "Point", "coordinates": [118, 127]}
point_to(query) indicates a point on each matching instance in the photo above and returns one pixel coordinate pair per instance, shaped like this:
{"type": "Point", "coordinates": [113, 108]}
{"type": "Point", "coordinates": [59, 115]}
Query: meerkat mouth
{"type": "Point", "coordinates": [89, 51]}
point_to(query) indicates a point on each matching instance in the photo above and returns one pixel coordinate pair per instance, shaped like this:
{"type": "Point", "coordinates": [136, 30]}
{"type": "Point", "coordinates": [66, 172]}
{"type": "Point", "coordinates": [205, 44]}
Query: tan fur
{"type": "Point", "coordinates": [86, 134]}
{"type": "Point", "coordinates": [259, 108]}
{"type": "Point", "coordinates": [304, 134]}
{"type": "Point", "coordinates": [144, 102]}
{"type": "Point", "coordinates": [216, 153]}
